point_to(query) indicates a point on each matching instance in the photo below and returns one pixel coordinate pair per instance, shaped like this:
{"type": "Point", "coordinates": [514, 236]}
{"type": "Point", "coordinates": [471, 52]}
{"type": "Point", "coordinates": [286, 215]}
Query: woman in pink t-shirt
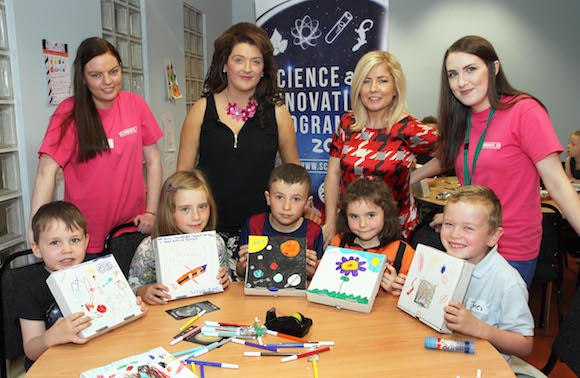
{"type": "Point", "coordinates": [499, 137]}
{"type": "Point", "coordinates": [100, 137]}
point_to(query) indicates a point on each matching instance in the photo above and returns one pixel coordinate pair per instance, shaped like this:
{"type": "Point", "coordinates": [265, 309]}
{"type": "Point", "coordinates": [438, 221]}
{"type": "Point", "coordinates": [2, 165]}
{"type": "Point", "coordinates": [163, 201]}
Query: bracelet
{"type": "Point", "coordinates": [150, 212]}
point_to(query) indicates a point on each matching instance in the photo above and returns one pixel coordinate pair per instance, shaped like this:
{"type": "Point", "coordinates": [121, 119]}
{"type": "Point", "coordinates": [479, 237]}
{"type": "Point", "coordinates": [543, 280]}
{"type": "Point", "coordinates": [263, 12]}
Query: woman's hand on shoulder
{"type": "Point", "coordinates": [145, 223]}
{"type": "Point", "coordinates": [189, 139]}
{"type": "Point", "coordinates": [286, 136]}
{"type": "Point", "coordinates": [328, 232]}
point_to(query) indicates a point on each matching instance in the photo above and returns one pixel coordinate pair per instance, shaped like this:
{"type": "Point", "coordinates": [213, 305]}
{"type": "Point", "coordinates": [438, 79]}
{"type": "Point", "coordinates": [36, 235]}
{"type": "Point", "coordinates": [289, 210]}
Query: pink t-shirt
{"type": "Point", "coordinates": [516, 139]}
{"type": "Point", "coordinates": [109, 189]}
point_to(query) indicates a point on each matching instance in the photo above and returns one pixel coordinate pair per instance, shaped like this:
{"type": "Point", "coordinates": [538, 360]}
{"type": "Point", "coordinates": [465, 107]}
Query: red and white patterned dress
{"type": "Point", "coordinates": [387, 154]}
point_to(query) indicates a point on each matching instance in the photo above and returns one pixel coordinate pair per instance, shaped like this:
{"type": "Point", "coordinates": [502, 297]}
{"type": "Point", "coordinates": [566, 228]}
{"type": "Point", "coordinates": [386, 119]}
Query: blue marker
{"type": "Point", "coordinates": [450, 345]}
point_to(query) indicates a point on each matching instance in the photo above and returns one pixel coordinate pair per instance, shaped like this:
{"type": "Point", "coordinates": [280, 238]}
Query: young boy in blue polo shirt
{"type": "Point", "coordinates": [288, 195]}
{"type": "Point", "coordinates": [495, 307]}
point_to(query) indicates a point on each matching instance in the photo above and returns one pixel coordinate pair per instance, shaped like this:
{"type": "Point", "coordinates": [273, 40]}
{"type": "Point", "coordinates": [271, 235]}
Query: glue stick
{"type": "Point", "coordinates": [450, 345]}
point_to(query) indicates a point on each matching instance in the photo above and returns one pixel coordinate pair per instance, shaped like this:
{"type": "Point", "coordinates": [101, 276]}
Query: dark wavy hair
{"type": "Point", "coordinates": [374, 190]}
{"type": "Point", "coordinates": [91, 136]}
{"type": "Point", "coordinates": [267, 90]}
{"type": "Point", "coordinates": [452, 113]}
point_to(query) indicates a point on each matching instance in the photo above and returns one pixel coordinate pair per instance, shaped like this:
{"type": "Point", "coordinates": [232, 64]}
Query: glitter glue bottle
{"type": "Point", "coordinates": [450, 345]}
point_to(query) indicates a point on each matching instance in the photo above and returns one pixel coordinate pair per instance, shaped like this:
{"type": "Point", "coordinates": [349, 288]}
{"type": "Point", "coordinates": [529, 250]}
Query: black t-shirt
{"type": "Point", "coordinates": [237, 168]}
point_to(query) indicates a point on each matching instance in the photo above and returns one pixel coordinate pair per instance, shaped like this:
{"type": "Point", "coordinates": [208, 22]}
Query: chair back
{"type": "Point", "coordinates": [567, 342]}
{"type": "Point", "coordinates": [10, 335]}
{"type": "Point", "coordinates": [550, 261]}
{"type": "Point", "coordinates": [123, 247]}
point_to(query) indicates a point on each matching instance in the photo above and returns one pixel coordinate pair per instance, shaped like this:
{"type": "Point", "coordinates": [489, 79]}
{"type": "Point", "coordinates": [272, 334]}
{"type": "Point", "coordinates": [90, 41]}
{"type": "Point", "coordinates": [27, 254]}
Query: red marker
{"type": "Point", "coordinates": [305, 354]}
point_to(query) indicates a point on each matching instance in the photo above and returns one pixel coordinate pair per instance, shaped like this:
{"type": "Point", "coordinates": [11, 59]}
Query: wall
{"type": "Point", "coordinates": [72, 21]}
{"type": "Point", "coordinates": [68, 21]}
{"type": "Point", "coordinates": [536, 42]}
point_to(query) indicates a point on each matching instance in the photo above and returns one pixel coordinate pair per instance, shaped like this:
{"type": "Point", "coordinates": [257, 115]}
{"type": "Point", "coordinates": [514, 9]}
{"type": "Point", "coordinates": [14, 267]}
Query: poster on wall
{"type": "Point", "coordinates": [58, 77]}
{"type": "Point", "coordinates": [316, 46]}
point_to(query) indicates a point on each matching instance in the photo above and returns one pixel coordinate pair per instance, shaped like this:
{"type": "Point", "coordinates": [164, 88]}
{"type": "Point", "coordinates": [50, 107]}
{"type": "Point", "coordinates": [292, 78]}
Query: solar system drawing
{"type": "Point", "coordinates": [187, 264]}
{"type": "Point", "coordinates": [276, 266]}
{"type": "Point", "coordinates": [434, 279]}
{"type": "Point", "coordinates": [99, 289]}
{"type": "Point", "coordinates": [347, 279]}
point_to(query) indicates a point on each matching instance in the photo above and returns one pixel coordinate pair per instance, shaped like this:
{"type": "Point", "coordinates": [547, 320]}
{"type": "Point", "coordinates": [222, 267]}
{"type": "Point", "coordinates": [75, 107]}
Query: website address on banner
{"type": "Point", "coordinates": [315, 166]}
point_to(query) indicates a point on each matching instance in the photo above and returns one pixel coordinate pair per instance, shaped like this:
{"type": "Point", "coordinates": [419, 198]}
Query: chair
{"type": "Point", "coordinates": [123, 246]}
{"type": "Point", "coordinates": [566, 346]}
{"type": "Point", "coordinates": [549, 268]}
{"type": "Point", "coordinates": [10, 336]}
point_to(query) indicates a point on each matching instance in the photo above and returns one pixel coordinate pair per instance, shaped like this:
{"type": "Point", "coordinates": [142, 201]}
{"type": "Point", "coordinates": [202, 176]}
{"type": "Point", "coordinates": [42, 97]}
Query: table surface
{"type": "Point", "coordinates": [450, 184]}
{"type": "Point", "coordinates": [386, 341]}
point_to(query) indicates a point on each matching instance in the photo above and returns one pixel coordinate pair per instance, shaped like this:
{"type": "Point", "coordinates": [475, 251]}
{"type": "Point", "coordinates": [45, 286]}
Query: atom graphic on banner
{"type": "Point", "coordinates": [305, 32]}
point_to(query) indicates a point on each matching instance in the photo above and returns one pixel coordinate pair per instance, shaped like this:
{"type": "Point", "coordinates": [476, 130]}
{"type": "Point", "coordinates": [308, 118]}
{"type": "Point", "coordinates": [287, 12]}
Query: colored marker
{"type": "Point", "coordinates": [285, 336]}
{"type": "Point", "coordinates": [315, 368]}
{"type": "Point", "coordinates": [244, 342]}
{"type": "Point", "coordinates": [293, 345]}
{"type": "Point", "coordinates": [186, 325]}
{"type": "Point", "coordinates": [220, 324]}
{"type": "Point", "coordinates": [258, 354]}
{"type": "Point", "coordinates": [187, 351]}
{"type": "Point", "coordinates": [305, 354]}
{"type": "Point", "coordinates": [450, 345]}
{"type": "Point", "coordinates": [185, 335]}
{"type": "Point", "coordinates": [216, 364]}
{"type": "Point", "coordinates": [206, 349]}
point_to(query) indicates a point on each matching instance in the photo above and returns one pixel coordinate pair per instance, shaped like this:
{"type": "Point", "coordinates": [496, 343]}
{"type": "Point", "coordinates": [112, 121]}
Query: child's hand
{"type": "Point", "coordinates": [141, 304]}
{"type": "Point", "coordinates": [223, 277]}
{"type": "Point", "coordinates": [311, 262]}
{"type": "Point", "coordinates": [242, 260]}
{"type": "Point", "coordinates": [391, 282]}
{"type": "Point", "coordinates": [154, 294]}
{"type": "Point", "coordinates": [461, 320]}
{"type": "Point", "coordinates": [65, 330]}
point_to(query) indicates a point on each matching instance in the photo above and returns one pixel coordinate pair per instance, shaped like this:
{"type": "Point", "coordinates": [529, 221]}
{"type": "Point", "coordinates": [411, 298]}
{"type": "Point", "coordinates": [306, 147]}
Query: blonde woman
{"type": "Point", "coordinates": [378, 137]}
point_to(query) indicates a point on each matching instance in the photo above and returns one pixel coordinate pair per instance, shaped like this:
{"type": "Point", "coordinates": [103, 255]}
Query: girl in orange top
{"type": "Point", "coordinates": [368, 221]}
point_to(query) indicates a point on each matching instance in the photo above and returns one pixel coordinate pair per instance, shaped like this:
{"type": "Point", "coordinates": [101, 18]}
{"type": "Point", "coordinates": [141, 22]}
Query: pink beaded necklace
{"type": "Point", "coordinates": [244, 114]}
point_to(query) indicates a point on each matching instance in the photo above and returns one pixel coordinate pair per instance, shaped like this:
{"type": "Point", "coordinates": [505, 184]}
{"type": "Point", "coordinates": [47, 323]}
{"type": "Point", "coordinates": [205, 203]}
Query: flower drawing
{"type": "Point", "coordinates": [352, 265]}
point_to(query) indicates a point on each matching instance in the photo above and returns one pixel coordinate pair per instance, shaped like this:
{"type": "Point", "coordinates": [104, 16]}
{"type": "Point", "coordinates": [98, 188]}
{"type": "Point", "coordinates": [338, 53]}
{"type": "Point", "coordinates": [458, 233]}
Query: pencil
{"type": "Point", "coordinates": [315, 368]}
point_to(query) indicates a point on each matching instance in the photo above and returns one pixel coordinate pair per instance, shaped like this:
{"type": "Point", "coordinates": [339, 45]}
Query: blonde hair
{"type": "Point", "coordinates": [399, 104]}
{"type": "Point", "coordinates": [181, 180]}
{"type": "Point", "coordinates": [576, 133]}
{"type": "Point", "coordinates": [480, 195]}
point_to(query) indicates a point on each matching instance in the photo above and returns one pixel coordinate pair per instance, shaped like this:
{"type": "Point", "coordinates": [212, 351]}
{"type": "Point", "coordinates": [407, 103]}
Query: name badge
{"type": "Point", "coordinates": [491, 146]}
{"type": "Point", "coordinates": [479, 306]}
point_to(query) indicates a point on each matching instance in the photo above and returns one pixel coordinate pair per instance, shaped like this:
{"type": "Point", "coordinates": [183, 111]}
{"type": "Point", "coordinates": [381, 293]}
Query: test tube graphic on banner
{"type": "Point", "coordinates": [338, 27]}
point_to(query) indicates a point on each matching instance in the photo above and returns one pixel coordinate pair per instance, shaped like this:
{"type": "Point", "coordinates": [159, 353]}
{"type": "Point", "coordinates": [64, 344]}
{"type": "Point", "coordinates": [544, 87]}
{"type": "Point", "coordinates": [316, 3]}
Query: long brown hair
{"type": "Point", "coordinates": [452, 113]}
{"type": "Point", "coordinates": [181, 180]}
{"type": "Point", "coordinates": [91, 136]}
{"type": "Point", "coordinates": [267, 90]}
{"type": "Point", "coordinates": [373, 190]}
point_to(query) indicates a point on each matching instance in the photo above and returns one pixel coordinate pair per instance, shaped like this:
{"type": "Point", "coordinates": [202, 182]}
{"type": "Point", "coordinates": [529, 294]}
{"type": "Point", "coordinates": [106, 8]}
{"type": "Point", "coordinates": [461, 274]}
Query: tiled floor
{"type": "Point", "coordinates": [542, 339]}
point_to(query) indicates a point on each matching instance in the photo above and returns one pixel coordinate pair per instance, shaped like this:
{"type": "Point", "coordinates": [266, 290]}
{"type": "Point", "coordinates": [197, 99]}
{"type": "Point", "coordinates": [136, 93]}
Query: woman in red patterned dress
{"type": "Point", "coordinates": [377, 138]}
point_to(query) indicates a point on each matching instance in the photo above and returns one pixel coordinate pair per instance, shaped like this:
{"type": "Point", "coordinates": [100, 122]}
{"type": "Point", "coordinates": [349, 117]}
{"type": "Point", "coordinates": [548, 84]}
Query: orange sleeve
{"type": "Point", "coordinates": [335, 241]}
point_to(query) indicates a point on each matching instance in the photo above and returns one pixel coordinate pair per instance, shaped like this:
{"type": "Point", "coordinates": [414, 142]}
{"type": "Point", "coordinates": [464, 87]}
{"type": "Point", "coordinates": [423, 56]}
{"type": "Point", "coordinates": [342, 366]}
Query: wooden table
{"type": "Point", "coordinates": [386, 342]}
{"type": "Point", "coordinates": [450, 184]}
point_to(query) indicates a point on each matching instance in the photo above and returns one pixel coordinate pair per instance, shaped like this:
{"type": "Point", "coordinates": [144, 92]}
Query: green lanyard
{"type": "Point", "coordinates": [466, 175]}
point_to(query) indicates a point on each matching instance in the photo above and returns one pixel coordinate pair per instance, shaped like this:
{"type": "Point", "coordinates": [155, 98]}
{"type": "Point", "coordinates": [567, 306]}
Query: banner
{"type": "Point", "coordinates": [317, 45]}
